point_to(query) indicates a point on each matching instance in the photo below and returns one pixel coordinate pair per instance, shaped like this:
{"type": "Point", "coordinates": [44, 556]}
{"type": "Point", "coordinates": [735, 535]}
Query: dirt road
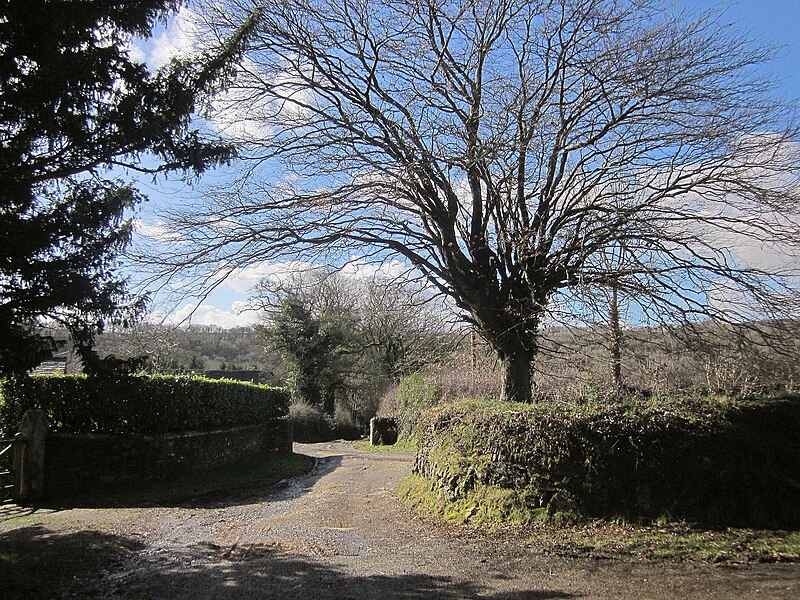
{"type": "Point", "coordinates": [338, 532]}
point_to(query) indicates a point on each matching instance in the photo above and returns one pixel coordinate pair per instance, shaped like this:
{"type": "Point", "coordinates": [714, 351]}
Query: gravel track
{"type": "Point", "coordinates": [338, 532]}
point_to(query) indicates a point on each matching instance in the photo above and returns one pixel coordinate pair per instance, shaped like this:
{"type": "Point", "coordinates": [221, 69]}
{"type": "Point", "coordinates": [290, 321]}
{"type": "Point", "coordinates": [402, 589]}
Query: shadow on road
{"type": "Point", "coordinates": [266, 572]}
{"type": "Point", "coordinates": [288, 489]}
{"type": "Point", "coordinates": [38, 563]}
{"type": "Point", "coordinates": [193, 491]}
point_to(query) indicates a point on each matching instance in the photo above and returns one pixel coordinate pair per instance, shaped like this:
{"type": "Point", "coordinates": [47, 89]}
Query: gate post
{"type": "Point", "coordinates": [382, 431]}
{"type": "Point", "coordinates": [29, 456]}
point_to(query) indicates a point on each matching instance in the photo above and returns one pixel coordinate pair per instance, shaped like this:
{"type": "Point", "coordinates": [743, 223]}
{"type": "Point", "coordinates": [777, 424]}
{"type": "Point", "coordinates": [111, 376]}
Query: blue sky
{"type": "Point", "coordinates": [771, 21]}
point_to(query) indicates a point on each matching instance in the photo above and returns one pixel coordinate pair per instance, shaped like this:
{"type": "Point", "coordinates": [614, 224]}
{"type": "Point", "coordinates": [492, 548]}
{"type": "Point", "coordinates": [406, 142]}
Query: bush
{"type": "Point", "coordinates": [345, 425]}
{"type": "Point", "coordinates": [415, 395]}
{"type": "Point", "coordinates": [311, 424]}
{"type": "Point", "coordinates": [719, 463]}
{"type": "Point", "coordinates": [146, 405]}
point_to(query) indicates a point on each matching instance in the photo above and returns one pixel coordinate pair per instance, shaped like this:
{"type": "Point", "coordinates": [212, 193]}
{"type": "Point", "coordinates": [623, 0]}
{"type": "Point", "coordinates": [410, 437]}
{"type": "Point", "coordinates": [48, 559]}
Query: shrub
{"type": "Point", "coordinates": [415, 394]}
{"type": "Point", "coordinates": [719, 463]}
{"type": "Point", "coordinates": [460, 379]}
{"type": "Point", "coordinates": [310, 423]}
{"type": "Point", "coordinates": [147, 405]}
{"type": "Point", "coordinates": [345, 425]}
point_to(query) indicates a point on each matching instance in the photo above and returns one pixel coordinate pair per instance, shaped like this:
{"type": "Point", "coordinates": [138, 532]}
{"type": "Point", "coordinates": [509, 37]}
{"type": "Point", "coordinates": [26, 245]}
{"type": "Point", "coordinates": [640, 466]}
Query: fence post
{"type": "Point", "coordinates": [29, 456]}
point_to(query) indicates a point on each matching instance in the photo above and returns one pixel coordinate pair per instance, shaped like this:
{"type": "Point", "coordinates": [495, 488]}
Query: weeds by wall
{"type": "Point", "coordinates": [712, 462]}
{"type": "Point", "coordinates": [408, 401]}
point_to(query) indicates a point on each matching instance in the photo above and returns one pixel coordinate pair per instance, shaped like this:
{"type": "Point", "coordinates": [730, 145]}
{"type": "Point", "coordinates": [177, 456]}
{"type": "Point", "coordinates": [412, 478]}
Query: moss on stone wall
{"type": "Point", "coordinates": [77, 461]}
{"type": "Point", "coordinates": [715, 462]}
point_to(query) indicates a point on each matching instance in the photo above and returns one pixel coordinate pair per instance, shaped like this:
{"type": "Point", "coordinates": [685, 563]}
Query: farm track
{"type": "Point", "coordinates": [338, 532]}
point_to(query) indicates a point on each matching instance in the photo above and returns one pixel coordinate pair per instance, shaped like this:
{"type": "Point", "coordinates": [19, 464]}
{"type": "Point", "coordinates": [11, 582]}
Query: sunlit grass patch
{"type": "Point", "coordinates": [681, 542]}
{"type": "Point", "coordinates": [402, 445]}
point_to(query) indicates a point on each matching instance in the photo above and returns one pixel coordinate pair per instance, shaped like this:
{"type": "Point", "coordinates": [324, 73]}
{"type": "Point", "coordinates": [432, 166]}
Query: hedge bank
{"type": "Point", "coordinates": [145, 405]}
{"type": "Point", "coordinates": [717, 463]}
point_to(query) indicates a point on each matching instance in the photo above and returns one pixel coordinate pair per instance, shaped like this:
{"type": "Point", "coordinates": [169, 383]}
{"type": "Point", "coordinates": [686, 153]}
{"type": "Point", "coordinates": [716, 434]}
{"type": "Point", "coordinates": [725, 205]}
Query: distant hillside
{"type": "Point", "coordinates": [195, 348]}
{"type": "Point", "coordinates": [713, 357]}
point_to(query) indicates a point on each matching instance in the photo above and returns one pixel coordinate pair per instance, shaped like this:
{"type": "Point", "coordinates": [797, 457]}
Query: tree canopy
{"type": "Point", "coordinates": [75, 103]}
{"type": "Point", "coordinates": [506, 150]}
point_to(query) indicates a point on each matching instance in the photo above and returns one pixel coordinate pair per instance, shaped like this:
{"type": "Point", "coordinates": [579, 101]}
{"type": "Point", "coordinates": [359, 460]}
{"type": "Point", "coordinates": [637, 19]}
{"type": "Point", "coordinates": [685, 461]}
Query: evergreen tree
{"type": "Point", "coordinates": [74, 104]}
{"type": "Point", "coordinates": [316, 349]}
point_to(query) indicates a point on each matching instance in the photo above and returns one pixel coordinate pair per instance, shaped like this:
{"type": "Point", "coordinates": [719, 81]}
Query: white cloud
{"type": "Point", "coordinates": [181, 38]}
{"type": "Point", "coordinates": [236, 113]}
{"type": "Point", "coordinates": [242, 280]}
{"type": "Point", "coordinates": [157, 231]}
{"type": "Point", "coordinates": [237, 286]}
{"type": "Point", "coordinates": [237, 315]}
{"type": "Point", "coordinates": [256, 104]}
{"type": "Point", "coordinates": [243, 111]}
{"type": "Point", "coordinates": [771, 257]}
{"type": "Point", "coordinates": [137, 52]}
{"type": "Point", "coordinates": [360, 268]}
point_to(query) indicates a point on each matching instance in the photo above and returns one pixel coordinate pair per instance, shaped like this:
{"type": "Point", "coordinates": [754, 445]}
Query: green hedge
{"type": "Point", "coordinates": [147, 405]}
{"type": "Point", "coordinates": [713, 462]}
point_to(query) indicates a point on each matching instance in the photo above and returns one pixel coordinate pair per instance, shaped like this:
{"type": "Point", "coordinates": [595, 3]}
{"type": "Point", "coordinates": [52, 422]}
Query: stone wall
{"type": "Point", "coordinates": [75, 461]}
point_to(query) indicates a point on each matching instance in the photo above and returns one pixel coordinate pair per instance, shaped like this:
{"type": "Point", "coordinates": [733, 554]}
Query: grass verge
{"type": "Point", "coordinates": [678, 542]}
{"type": "Point", "coordinates": [242, 478]}
{"type": "Point", "coordinates": [400, 446]}
{"type": "Point", "coordinates": [562, 534]}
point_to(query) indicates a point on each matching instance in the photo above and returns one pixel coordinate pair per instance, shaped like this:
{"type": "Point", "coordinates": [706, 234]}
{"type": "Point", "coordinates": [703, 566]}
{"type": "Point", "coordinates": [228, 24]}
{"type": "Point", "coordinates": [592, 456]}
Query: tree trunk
{"type": "Point", "coordinates": [512, 333]}
{"type": "Point", "coordinates": [473, 347]}
{"type": "Point", "coordinates": [329, 405]}
{"type": "Point", "coordinates": [517, 385]}
{"type": "Point", "coordinates": [615, 341]}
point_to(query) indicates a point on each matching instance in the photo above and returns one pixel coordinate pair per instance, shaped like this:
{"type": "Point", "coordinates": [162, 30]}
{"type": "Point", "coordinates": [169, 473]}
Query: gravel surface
{"type": "Point", "coordinates": [338, 532]}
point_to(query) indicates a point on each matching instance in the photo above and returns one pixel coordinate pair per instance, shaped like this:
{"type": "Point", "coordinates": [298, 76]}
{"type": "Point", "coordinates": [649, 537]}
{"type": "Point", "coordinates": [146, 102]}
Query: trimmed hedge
{"type": "Point", "coordinates": [719, 463]}
{"type": "Point", "coordinates": [145, 405]}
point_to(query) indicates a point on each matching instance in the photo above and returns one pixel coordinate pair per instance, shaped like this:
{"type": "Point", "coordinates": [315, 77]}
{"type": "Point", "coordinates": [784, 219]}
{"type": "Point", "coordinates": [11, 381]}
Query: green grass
{"type": "Point", "coordinates": [245, 477]}
{"type": "Point", "coordinates": [401, 446]}
{"type": "Point", "coordinates": [676, 542]}
{"type": "Point", "coordinates": [560, 533]}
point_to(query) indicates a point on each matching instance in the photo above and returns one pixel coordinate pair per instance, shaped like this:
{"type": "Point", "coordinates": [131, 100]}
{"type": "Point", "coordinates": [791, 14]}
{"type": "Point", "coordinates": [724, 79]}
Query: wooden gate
{"type": "Point", "coordinates": [22, 459]}
{"type": "Point", "coordinates": [7, 448]}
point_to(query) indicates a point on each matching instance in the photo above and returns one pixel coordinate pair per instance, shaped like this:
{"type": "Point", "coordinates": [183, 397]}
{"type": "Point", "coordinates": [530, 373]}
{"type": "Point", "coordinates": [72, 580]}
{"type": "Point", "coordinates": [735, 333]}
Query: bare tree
{"type": "Point", "coordinates": [392, 320]}
{"type": "Point", "coordinates": [500, 147]}
{"type": "Point", "coordinates": [348, 336]}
